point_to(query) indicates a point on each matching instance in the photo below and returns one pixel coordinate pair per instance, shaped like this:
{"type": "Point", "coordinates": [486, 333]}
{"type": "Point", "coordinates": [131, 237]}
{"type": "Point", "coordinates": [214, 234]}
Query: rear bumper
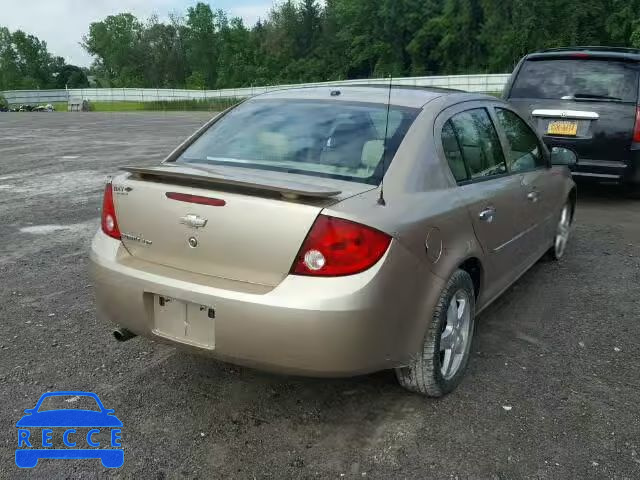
{"type": "Point", "coordinates": [601, 170]}
{"type": "Point", "coordinates": [626, 171]}
{"type": "Point", "coordinates": [312, 326]}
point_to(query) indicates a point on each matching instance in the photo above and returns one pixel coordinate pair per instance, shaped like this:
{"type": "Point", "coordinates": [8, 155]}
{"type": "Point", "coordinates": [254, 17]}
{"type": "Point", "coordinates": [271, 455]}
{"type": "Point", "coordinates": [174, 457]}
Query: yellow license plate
{"type": "Point", "coordinates": [563, 128]}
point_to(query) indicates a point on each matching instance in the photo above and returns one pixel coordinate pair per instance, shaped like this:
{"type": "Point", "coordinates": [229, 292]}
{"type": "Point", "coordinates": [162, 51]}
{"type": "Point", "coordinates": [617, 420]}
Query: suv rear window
{"type": "Point", "coordinates": [319, 138]}
{"type": "Point", "coordinates": [577, 78]}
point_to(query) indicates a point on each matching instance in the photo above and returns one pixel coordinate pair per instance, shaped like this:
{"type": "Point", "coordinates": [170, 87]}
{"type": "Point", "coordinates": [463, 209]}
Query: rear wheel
{"type": "Point", "coordinates": [439, 367]}
{"type": "Point", "coordinates": [563, 231]}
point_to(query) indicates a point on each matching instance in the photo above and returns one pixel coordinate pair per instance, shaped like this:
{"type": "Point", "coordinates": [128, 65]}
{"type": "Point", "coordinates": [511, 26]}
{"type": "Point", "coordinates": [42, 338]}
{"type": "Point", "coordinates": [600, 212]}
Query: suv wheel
{"type": "Point", "coordinates": [440, 366]}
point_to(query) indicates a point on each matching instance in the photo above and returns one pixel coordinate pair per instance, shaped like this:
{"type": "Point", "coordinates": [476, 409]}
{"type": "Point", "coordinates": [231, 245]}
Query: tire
{"type": "Point", "coordinates": [437, 370]}
{"type": "Point", "coordinates": [562, 234]}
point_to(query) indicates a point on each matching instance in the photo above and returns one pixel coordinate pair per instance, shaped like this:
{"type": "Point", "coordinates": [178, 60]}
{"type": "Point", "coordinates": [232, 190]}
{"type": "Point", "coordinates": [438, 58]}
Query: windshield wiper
{"type": "Point", "coordinates": [591, 96]}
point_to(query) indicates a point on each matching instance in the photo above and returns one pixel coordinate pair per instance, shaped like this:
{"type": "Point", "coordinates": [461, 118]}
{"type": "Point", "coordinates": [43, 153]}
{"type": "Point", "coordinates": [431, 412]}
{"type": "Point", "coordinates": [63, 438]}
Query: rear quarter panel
{"type": "Point", "coordinates": [423, 211]}
{"type": "Point", "coordinates": [422, 199]}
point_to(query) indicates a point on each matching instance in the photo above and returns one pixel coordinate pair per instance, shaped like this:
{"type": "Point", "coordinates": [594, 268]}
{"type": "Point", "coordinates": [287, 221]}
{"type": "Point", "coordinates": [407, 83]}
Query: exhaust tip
{"type": "Point", "coordinates": [122, 334]}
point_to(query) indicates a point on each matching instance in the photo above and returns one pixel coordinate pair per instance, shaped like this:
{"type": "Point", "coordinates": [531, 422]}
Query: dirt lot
{"type": "Point", "coordinates": [552, 392]}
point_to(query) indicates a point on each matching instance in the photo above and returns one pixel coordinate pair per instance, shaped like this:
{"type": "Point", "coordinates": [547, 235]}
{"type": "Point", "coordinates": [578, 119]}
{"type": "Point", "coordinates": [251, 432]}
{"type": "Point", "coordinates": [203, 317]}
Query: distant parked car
{"type": "Point", "coordinates": [44, 108]}
{"type": "Point", "coordinates": [585, 99]}
{"type": "Point", "coordinates": [269, 238]}
{"type": "Point", "coordinates": [24, 108]}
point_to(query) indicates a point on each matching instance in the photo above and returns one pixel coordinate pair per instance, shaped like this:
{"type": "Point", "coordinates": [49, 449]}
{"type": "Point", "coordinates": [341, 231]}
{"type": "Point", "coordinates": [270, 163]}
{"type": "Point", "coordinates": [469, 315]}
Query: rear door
{"type": "Point", "coordinates": [494, 197]}
{"type": "Point", "coordinates": [526, 156]}
{"type": "Point", "coordinates": [586, 103]}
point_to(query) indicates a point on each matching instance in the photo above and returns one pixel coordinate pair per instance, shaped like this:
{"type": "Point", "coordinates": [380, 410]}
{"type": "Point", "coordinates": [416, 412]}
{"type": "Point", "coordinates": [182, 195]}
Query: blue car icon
{"type": "Point", "coordinates": [69, 433]}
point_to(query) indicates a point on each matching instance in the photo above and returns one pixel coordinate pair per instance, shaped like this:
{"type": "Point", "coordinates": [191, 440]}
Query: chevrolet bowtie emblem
{"type": "Point", "coordinates": [193, 221]}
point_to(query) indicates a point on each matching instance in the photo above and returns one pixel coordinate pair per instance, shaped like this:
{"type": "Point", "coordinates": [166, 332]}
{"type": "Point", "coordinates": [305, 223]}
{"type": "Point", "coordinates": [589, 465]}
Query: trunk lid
{"type": "Point", "coordinates": [251, 233]}
{"type": "Point", "coordinates": [604, 130]}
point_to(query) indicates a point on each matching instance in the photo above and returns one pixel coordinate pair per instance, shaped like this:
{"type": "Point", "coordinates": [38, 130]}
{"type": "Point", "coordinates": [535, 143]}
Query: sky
{"type": "Point", "coordinates": [62, 23]}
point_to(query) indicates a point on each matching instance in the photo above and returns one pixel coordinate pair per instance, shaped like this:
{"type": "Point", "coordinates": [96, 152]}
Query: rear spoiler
{"type": "Point", "coordinates": [288, 189]}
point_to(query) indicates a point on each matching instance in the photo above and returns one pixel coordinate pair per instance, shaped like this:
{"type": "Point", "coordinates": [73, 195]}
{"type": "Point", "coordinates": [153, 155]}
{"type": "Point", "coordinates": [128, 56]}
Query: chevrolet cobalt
{"type": "Point", "coordinates": [334, 231]}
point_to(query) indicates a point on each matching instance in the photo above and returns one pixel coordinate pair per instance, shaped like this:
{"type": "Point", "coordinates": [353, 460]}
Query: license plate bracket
{"type": "Point", "coordinates": [562, 127]}
{"type": "Point", "coordinates": [184, 322]}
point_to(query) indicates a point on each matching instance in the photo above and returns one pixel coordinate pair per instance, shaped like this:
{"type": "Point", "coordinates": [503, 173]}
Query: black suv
{"type": "Point", "coordinates": [585, 99]}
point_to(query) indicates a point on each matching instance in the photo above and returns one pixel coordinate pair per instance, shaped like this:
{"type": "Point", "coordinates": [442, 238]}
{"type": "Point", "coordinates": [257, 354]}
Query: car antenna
{"type": "Point", "coordinates": [381, 200]}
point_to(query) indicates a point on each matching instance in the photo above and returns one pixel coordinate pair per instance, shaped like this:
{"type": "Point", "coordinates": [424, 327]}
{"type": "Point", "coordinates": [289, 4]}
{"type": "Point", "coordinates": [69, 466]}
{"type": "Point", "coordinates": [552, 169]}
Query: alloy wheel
{"type": "Point", "coordinates": [562, 232]}
{"type": "Point", "coordinates": [456, 334]}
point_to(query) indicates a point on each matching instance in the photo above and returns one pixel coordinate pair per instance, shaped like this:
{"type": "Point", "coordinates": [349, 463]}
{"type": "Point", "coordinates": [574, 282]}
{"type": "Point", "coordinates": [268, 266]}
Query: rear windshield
{"type": "Point", "coordinates": [64, 402]}
{"type": "Point", "coordinates": [587, 79]}
{"type": "Point", "coordinates": [326, 139]}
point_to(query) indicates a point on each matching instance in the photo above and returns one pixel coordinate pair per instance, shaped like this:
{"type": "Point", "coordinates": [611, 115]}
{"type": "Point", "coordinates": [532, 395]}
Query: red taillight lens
{"type": "Point", "coordinates": [636, 130]}
{"type": "Point", "coordinates": [337, 247]}
{"type": "Point", "coordinates": [109, 221]}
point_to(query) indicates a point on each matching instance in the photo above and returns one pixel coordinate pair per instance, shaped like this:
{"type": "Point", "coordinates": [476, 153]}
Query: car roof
{"type": "Point", "coordinates": [401, 95]}
{"type": "Point", "coordinates": [586, 52]}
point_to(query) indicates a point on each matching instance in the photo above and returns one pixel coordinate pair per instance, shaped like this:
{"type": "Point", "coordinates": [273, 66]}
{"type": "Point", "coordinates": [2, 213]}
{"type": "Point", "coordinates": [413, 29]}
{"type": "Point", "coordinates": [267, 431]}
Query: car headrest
{"type": "Point", "coordinates": [372, 152]}
{"type": "Point", "coordinates": [274, 144]}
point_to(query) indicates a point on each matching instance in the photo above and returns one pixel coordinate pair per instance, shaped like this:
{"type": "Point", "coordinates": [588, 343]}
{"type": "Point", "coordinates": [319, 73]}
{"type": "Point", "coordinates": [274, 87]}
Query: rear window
{"type": "Point", "coordinates": [575, 78]}
{"type": "Point", "coordinates": [327, 139]}
{"type": "Point", "coordinates": [64, 402]}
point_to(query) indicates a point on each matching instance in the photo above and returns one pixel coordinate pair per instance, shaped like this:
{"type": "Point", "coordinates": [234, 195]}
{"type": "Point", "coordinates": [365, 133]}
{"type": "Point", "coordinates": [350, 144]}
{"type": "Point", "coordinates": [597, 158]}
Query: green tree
{"type": "Point", "coordinates": [71, 76]}
{"type": "Point", "coordinates": [201, 43]}
{"type": "Point", "coordinates": [310, 40]}
{"type": "Point", "coordinates": [622, 22]}
{"type": "Point", "coordinates": [9, 72]}
{"type": "Point", "coordinates": [116, 42]}
{"type": "Point", "coordinates": [25, 62]}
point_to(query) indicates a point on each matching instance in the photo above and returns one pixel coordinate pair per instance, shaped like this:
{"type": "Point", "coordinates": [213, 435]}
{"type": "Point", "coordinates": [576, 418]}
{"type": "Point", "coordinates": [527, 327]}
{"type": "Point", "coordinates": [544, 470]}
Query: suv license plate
{"type": "Point", "coordinates": [563, 128]}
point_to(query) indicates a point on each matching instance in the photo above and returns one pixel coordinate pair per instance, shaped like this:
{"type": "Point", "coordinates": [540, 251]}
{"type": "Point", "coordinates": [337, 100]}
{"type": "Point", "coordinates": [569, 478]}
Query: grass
{"type": "Point", "coordinates": [60, 106]}
{"type": "Point", "coordinates": [116, 106]}
{"type": "Point", "coordinates": [214, 105]}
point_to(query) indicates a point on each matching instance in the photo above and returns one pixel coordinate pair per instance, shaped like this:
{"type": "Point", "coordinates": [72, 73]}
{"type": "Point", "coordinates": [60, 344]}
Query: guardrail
{"type": "Point", "coordinates": [489, 83]}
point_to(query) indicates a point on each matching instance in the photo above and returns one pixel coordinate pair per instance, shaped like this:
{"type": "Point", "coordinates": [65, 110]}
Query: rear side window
{"type": "Point", "coordinates": [524, 150]}
{"type": "Point", "coordinates": [319, 138]}
{"type": "Point", "coordinates": [453, 153]}
{"type": "Point", "coordinates": [575, 78]}
{"type": "Point", "coordinates": [478, 143]}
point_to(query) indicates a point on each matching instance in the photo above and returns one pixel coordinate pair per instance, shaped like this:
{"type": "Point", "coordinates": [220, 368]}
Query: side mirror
{"type": "Point", "coordinates": [563, 156]}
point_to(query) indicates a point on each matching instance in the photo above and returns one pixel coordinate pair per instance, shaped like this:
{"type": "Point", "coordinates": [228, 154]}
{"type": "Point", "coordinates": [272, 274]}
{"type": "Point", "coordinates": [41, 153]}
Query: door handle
{"type": "Point", "coordinates": [533, 196]}
{"type": "Point", "coordinates": [488, 214]}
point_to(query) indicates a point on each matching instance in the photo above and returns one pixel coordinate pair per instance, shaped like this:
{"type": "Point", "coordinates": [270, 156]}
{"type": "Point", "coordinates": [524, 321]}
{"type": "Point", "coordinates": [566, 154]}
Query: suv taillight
{"type": "Point", "coordinates": [109, 221]}
{"type": "Point", "coordinates": [636, 130]}
{"type": "Point", "coordinates": [336, 247]}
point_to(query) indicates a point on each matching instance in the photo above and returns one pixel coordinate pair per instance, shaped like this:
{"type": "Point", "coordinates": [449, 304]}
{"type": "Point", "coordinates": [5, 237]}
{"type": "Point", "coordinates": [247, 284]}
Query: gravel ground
{"type": "Point", "coordinates": [552, 391]}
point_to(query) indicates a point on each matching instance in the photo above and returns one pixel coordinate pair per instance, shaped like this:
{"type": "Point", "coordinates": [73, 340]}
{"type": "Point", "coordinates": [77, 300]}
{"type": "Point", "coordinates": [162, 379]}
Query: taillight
{"type": "Point", "coordinates": [336, 247]}
{"type": "Point", "coordinates": [109, 221]}
{"type": "Point", "coordinates": [187, 198]}
{"type": "Point", "coordinates": [636, 130]}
